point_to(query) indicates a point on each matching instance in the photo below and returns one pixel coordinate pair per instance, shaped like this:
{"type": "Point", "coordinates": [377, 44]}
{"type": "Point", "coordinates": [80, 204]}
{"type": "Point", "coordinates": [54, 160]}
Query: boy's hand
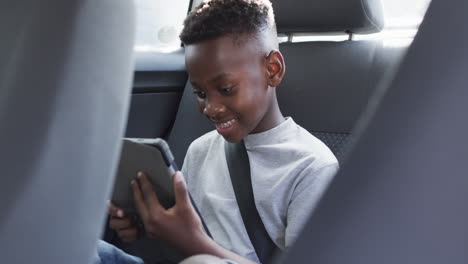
{"type": "Point", "coordinates": [124, 225]}
{"type": "Point", "coordinates": [180, 225]}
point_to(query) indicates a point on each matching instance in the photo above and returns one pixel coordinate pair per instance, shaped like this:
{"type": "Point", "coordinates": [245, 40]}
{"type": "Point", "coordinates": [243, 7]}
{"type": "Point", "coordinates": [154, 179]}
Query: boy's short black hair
{"type": "Point", "coordinates": [217, 18]}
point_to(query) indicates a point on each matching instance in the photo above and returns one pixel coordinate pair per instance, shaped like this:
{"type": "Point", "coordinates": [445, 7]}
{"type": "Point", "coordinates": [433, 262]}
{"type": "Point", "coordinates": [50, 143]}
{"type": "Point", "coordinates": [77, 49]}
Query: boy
{"type": "Point", "coordinates": [234, 65]}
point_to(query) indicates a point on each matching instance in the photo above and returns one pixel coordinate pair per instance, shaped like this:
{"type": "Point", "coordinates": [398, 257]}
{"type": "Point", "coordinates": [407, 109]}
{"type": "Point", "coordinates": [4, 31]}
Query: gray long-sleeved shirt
{"type": "Point", "coordinates": [290, 169]}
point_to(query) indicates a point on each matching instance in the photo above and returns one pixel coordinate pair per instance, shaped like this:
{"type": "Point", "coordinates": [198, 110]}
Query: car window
{"type": "Point", "coordinates": [402, 20]}
{"type": "Point", "coordinates": [159, 24]}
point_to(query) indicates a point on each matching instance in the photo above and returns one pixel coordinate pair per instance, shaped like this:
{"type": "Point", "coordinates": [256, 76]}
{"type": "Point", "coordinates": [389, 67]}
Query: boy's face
{"type": "Point", "coordinates": [230, 82]}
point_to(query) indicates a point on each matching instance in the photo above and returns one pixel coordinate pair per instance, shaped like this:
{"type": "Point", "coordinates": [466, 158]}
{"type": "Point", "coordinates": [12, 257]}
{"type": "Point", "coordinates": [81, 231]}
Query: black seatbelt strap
{"type": "Point", "coordinates": [239, 170]}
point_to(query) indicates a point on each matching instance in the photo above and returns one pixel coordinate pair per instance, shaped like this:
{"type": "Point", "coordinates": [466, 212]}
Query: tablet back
{"type": "Point", "coordinates": [137, 157]}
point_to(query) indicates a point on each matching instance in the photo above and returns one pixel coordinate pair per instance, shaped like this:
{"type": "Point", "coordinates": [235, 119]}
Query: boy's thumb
{"type": "Point", "coordinates": [180, 189]}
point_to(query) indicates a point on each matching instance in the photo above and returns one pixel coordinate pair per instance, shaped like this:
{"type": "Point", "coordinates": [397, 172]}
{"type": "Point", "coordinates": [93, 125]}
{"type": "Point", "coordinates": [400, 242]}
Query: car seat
{"type": "Point", "coordinates": [65, 78]}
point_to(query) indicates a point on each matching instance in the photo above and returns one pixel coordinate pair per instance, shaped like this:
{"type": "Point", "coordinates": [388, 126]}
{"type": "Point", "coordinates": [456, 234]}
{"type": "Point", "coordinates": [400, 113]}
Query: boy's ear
{"type": "Point", "coordinates": [275, 68]}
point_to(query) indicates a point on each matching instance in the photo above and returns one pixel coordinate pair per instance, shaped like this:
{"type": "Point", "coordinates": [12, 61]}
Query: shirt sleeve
{"type": "Point", "coordinates": [186, 166]}
{"type": "Point", "coordinates": [306, 195]}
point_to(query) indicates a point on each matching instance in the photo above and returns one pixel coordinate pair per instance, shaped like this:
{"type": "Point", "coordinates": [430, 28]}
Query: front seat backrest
{"type": "Point", "coordinates": [65, 77]}
{"type": "Point", "coordinates": [401, 195]}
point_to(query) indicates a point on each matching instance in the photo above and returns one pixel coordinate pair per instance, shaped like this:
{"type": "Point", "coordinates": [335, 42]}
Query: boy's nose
{"type": "Point", "coordinates": [213, 110]}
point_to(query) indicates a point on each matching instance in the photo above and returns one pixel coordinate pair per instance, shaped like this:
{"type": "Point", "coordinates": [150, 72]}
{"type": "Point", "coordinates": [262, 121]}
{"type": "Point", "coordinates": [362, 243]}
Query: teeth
{"type": "Point", "coordinates": [226, 124]}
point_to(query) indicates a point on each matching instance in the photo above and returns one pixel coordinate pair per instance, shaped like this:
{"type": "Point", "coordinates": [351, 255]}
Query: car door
{"type": "Point", "coordinates": [160, 76]}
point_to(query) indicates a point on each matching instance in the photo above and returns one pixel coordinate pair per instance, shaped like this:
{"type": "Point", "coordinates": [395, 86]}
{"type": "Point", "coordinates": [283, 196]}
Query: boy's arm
{"type": "Point", "coordinates": [180, 225]}
{"type": "Point", "coordinates": [305, 198]}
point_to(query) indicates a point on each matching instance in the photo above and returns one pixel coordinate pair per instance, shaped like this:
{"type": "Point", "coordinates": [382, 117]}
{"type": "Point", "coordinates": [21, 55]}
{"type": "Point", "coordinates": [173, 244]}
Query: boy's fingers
{"type": "Point", "coordinates": [117, 224]}
{"type": "Point", "coordinates": [128, 235]}
{"type": "Point", "coordinates": [180, 189]}
{"type": "Point", "coordinates": [149, 196]}
{"type": "Point", "coordinates": [114, 210]}
{"type": "Point", "coordinates": [138, 200]}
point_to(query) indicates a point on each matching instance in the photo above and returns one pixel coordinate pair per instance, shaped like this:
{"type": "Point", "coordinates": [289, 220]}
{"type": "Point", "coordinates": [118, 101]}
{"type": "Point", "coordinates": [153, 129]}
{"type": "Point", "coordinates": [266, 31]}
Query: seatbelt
{"type": "Point", "coordinates": [239, 170]}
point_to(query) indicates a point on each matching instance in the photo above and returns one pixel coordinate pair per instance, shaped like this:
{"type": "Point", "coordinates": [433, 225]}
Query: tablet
{"type": "Point", "coordinates": [151, 156]}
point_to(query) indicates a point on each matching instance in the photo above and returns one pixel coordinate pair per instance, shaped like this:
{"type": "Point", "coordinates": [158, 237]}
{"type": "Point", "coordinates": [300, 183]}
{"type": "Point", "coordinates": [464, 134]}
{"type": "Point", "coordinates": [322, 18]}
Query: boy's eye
{"type": "Point", "coordinates": [226, 90]}
{"type": "Point", "coordinates": [200, 94]}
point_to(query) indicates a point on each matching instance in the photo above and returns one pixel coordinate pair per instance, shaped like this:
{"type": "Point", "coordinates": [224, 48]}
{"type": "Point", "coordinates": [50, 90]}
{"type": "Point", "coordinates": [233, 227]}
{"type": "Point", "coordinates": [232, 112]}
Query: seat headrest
{"type": "Point", "coordinates": [357, 16]}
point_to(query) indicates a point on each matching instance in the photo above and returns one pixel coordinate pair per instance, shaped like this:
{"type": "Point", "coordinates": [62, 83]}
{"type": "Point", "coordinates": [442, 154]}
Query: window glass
{"type": "Point", "coordinates": [404, 13]}
{"type": "Point", "coordinates": [402, 20]}
{"type": "Point", "coordinates": [159, 24]}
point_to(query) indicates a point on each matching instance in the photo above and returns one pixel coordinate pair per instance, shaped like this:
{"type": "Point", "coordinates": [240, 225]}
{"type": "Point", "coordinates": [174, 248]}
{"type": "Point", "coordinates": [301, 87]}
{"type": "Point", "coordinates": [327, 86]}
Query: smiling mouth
{"type": "Point", "coordinates": [226, 124]}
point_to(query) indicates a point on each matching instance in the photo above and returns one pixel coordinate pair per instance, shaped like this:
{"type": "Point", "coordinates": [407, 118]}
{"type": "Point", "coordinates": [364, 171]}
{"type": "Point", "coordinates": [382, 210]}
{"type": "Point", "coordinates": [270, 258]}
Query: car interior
{"type": "Point", "coordinates": [325, 105]}
{"type": "Point", "coordinates": [342, 77]}
{"type": "Point", "coordinates": [393, 116]}
{"type": "Point", "coordinates": [400, 195]}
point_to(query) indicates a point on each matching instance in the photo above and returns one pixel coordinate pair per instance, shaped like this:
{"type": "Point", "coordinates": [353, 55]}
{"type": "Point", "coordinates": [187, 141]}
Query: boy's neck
{"type": "Point", "coordinates": [272, 119]}
{"type": "Point", "coordinates": [277, 117]}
